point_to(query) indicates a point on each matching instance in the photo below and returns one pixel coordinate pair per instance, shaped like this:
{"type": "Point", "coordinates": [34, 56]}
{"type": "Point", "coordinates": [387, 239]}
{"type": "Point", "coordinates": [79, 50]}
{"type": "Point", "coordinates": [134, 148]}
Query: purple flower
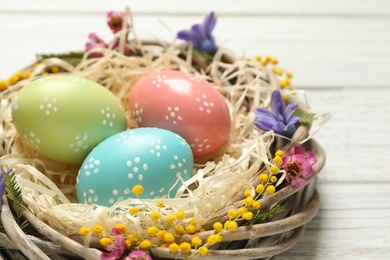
{"type": "Point", "coordinates": [200, 35]}
{"type": "Point", "coordinates": [95, 42]}
{"type": "Point", "coordinates": [2, 186]}
{"type": "Point", "coordinates": [298, 165]}
{"type": "Point", "coordinates": [115, 21]}
{"type": "Point", "coordinates": [280, 119]}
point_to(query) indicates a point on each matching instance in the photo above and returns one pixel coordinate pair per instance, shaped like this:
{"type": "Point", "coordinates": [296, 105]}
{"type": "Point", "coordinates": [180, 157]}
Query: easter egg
{"type": "Point", "coordinates": [65, 117]}
{"type": "Point", "coordinates": [185, 104]}
{"type": "Point", "coordinates": [152, 157]}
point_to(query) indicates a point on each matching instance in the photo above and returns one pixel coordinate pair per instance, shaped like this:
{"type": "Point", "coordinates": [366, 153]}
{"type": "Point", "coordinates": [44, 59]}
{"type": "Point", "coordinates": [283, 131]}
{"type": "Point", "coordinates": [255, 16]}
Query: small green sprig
{"type": "Point", "coordinates": [13, 190]}
{"type": "Point", "coordinates": [203, 55]}
{"type": "Point", "coordinates": [14, 193]}
{"type": "Point", "coordinates": [258, 219]}
{"type": "Point", "coordinates": [305, 116]}
{"type": "Point", "coordinates": [263, 217]}
{"type": "Point", "coordinates": [72, 57]}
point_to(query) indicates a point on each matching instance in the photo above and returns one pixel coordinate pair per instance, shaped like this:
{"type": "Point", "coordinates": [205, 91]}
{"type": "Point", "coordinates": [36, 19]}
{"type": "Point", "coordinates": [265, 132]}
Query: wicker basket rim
{"type": "Point", "coordinates": [294, 223]}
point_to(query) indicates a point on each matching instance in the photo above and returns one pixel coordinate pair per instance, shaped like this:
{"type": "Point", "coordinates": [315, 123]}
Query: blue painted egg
{"type": "Point", "coordinates": [152, 157]}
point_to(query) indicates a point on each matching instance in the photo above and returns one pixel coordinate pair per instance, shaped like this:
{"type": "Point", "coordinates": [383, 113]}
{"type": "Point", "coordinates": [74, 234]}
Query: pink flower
{"type": "Point", "coordinates": [117, 248]}
{"type": "Point", "coordinates": [95, 42]}
{"type": "Point", "coordinates": [127, 50]}
{"type": "Point", "coordinates": [115, 21]}
{"type": "Point", "coordinates": [298, 165]}
{"type": "Point", "coordinates": [138, 255]}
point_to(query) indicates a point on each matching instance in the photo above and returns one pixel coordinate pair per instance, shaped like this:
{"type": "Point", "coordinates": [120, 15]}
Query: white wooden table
{"type": "Point", "coordinates": [339, 52]}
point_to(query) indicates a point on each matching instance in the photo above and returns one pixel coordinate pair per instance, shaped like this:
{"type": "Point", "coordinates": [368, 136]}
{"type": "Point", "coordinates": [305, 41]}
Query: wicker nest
{"type": "Point", "coordinates": [49, 195]}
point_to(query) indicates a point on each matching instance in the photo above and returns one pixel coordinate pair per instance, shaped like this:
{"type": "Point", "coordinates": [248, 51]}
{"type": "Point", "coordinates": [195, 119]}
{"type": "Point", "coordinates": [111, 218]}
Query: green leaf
{"type": "Point", "coordinates": [305, 116]}
{"type": "Point", "coordinates": [202, 54]}
{"type": "Point", "coordinates": [263, 217]}
{"type": "Point", "coordinates": [258, 219]}
{"type": "Point", "coordinates": [13, 190]}
{"type": "Point", "coordinates": [73, 57]}
{"type": "Point", "coordinates": [14, 193]}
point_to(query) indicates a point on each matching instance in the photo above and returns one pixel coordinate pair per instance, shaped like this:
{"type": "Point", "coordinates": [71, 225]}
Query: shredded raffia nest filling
{"type": "Point", "coordinates": [217, 184]}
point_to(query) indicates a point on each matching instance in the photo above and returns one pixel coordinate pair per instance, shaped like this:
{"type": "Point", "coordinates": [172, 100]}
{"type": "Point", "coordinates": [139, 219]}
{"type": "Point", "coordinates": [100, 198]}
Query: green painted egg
{"type": "Point", "coordinates": [65, 117]}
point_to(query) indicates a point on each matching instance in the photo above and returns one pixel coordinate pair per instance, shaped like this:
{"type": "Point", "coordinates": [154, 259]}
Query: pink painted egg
{"type": "Point", "coordinates": [185, 104]}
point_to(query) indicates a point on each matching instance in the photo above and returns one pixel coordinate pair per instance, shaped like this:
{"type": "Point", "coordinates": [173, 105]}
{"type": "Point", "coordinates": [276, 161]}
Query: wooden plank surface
{"type": "Point", "coordinates": [330, 43]}
{"type": "Point", "coordinates": [339, 51]}
{"type": "Point", "coordinates": [353, 223]}
{"type": "Point", "coordinates": [183, 7]}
